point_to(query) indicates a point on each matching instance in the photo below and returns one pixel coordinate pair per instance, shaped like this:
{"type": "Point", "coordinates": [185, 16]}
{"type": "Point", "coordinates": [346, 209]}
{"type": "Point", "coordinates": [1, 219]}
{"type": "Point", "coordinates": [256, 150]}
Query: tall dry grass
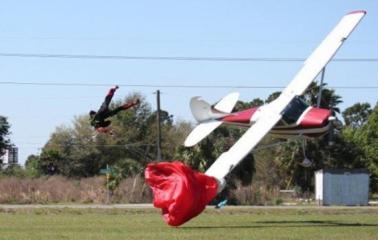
{"type": "Point", "coordinates": [255, 194]}
{"type": "Point", "coordinates": [134, 190]}
{"type": "Point", "coordinates": [58, 189]}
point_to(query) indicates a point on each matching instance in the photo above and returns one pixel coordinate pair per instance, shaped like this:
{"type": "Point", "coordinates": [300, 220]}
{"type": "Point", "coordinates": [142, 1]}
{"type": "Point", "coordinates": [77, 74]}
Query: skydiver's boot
{"type": "Point", "coordinates": [112, 91]}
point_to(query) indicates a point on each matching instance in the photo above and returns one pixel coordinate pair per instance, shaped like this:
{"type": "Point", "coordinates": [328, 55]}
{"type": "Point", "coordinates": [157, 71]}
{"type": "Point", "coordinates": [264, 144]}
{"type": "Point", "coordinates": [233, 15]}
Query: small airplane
{"type": "Point", "coordinates": [287, 116]}
{"type": "Point", "coordinates": [298, 118]}
{"type": "Point", "coordinates": [182, 193]}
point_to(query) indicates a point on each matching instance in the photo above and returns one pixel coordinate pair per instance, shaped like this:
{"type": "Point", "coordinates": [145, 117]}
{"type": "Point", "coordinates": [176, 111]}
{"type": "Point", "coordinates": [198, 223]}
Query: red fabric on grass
{"type": "Point", "coordinates": [181, 192]}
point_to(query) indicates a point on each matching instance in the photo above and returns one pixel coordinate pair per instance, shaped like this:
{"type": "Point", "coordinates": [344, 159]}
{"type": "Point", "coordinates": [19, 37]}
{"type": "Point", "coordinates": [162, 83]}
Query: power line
{"type": "Point", "coordinates": [174, 58]}
{"type": "Point", "coordinates": [164, 85]}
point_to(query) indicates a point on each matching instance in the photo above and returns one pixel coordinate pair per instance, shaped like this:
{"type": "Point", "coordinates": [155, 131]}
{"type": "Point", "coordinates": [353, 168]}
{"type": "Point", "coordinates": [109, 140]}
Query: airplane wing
{"type": "Point", "coordinates": [228, 160]}
{"type": "Point", "coordinates": [200, 132]}
{"type": "Point", "coordinates": [273, 112]}
{"type": "Point", "coordinates": [323, 53]}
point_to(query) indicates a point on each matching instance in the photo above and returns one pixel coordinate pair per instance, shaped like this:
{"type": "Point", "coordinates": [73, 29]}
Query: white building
{"type": "Point", "coordinates": [10, 157]}
{"type": "Point", "coordinates": [348, 187]}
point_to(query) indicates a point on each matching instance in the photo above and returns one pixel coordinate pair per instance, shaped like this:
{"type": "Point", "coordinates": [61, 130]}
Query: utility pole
{"type": "Point", "coordinates": [158, 119]}
{"type": "Point", "coordinates": [107, 184]}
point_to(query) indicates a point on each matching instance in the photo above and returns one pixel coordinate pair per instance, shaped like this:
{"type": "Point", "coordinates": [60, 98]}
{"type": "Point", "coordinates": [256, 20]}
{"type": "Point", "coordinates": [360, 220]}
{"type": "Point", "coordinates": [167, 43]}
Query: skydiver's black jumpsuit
{"type": "Point", "coordinates": [99, 119]}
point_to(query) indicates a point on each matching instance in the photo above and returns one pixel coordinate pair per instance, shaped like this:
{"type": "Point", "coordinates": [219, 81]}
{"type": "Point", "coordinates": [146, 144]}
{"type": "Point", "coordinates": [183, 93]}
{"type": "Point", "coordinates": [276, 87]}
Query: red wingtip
{"type": "Point", "coordinates": [357, 11]}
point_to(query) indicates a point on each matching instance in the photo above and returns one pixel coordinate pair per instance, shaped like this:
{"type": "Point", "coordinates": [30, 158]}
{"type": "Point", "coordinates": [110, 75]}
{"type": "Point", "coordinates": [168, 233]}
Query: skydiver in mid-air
{"type": "Point", "coordinates": [99, 119]}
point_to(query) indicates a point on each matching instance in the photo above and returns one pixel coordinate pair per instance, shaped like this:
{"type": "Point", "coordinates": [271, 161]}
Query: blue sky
{"type": "Point", "coordinates": [288, 29]}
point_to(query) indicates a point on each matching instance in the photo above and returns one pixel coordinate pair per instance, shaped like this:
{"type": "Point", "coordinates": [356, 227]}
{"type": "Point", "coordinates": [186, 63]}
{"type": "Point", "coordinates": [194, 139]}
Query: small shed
{"type": "Point", "coordinates": [349, 187]}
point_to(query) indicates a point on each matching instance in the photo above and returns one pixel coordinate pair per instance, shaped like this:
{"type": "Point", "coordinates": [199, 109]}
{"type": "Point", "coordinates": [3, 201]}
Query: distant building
{"type": "Point", "coordinates": [348, 187]}
{"type": "Point", "coordinates": [10, 157]}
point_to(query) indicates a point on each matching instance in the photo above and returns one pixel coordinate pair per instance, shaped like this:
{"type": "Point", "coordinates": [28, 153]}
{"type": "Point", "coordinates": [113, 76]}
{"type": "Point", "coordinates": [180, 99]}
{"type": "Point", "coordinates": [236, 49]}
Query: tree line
{"type": "Point", "coordinates": [76, 151]}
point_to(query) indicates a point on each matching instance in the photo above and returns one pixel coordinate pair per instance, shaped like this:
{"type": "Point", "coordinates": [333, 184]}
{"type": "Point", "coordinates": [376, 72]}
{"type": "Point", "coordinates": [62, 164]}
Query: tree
{"type": "Point", "coordinates": [245, 105]}
{"type": "Point", "coordinates": [329, 99]}
{"type": "Point", "coordinates": [272, 97]}
{"type": "Point", "coordinates": [14, 170]}
{"type": "Point", "coordinates": [357, 115]}
{"type": "Point", "coordinates": [32, 166]}
{"type": "Point", "coordinates": [367, 138]}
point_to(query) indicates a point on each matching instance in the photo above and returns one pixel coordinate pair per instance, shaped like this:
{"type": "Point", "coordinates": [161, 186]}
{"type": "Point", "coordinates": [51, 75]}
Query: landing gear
{"type": "Point", "coordinates": [306, 161]}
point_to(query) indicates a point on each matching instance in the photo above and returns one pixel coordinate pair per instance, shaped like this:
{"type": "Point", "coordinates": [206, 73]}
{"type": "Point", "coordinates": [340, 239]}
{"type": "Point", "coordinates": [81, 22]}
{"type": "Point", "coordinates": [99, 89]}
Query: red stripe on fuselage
{"type": "Point", "coordinates": [240, 117]}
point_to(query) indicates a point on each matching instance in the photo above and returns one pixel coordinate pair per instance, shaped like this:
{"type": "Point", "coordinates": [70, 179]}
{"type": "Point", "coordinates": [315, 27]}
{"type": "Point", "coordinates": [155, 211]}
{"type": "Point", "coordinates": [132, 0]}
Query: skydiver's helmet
{"type": "Point", "coordinates": [92, 113]}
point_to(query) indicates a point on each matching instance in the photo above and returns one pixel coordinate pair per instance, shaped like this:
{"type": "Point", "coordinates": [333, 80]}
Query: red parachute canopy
{"type": "Point", "coordinates": [179, 191]}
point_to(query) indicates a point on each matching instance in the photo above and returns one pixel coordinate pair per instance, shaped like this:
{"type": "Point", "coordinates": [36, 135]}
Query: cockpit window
{"type": "Point", "coordinates": [294, 110]}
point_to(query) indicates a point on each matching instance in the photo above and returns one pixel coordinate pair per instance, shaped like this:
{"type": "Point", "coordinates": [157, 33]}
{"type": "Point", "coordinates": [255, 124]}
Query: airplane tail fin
{"type": "Point", "coordinates": [203, 111]}
{"type": "Point", "coordinates": [207, 116]}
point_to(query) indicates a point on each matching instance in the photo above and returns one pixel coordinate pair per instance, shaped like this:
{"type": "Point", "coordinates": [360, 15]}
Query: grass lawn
{"type": "Point", "coordinates": [228, 223]}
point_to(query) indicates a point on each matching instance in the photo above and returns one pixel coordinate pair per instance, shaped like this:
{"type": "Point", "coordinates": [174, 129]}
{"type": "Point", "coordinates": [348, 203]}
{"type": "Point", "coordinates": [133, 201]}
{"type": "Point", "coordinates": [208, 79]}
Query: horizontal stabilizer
{"type": "Point", "coordinates": [227, 103]}
{"type": "Point", "coordinates": [200, 132]}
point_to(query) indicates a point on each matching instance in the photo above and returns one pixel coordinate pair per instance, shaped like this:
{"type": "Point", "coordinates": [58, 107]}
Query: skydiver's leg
{"type": "Point", "coordinates": [122, 108]}
{"type": "Point", "coordinates": [130, 104]}
{"type": "Point", "coordinates": [108, 98]}
{"type": "Point", "coordinates": [114, 111]}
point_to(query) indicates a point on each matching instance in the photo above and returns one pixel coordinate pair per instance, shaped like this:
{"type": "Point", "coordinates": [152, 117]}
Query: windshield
{"type": "Point", "coordinates": [294, 110]}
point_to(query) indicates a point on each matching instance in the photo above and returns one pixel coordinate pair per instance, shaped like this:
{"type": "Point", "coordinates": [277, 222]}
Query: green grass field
{"type": "Point", "coordinates": [228, 223]}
